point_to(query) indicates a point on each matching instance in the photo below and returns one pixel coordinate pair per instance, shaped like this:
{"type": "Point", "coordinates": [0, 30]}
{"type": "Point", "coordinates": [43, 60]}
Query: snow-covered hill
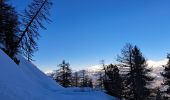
{"type": "Point", "coordinates": [27, 82]}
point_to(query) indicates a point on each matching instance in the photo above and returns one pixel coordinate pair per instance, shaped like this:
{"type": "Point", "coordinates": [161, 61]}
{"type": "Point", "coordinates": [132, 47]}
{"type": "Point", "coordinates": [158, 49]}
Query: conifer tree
{"type": "Point", "coordinates": [113, 84]}
{"type": "Point", "coordinates": [166, 76]}
{"type": "Point", "coordinates": [15, 38]}
{"type": "Point", "coordinates": [9, 29]}
{"type": "Point", "coordinates": [138, 76]}
{"type": "Point", "coordinates": [64, 74]}
{"type": "Point", "coordinates": [32, 20]}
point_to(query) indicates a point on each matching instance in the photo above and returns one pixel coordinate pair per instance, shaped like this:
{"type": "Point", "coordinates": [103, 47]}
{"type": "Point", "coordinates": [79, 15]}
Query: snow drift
{"type": "Point", "coordinates": [27, 82]}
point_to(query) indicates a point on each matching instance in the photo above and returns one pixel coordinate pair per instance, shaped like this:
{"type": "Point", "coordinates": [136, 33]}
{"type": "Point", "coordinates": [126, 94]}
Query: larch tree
{"type": "Point", "coordinates": [126, 64]}
{"type": "Point", "coordinates": [32, 19]}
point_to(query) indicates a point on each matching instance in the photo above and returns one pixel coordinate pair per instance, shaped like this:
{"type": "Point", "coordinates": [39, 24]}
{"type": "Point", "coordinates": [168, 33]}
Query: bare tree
{"type": "Point", "coordinates": [34, 15]}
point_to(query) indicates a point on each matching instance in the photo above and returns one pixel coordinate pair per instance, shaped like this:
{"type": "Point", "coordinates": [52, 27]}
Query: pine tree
{"type": "Point", "coordinates": [138, 77]}
{"type": "Point", "coordinates": [64, 74]}
{"type": "Point", "coordinates": [166, 76]}
{"type": "Point", "coordinates": [113, 84]}
{"type": "Point", "coordinates": [9, 29]}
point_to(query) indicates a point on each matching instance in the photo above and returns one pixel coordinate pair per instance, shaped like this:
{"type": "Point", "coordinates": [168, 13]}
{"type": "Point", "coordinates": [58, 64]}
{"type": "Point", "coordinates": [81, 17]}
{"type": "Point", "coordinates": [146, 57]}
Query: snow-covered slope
{"type": "Point", "coordinates": [27, 82]}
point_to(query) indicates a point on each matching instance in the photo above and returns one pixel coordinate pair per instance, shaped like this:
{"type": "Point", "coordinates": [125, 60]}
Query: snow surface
{"type": "Point", "coordinates": [27, 82]}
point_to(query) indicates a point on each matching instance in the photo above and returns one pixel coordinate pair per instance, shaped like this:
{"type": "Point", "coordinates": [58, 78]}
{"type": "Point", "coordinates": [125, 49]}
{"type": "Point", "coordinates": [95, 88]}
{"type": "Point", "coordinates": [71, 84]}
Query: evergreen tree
{"type": "Point", "coordinates": [113, 84]}
{"type": "Point", "coordinates": [138, 77]}
{"type": "Point", "coordinates": [9, 29]}
{"type": "Point", "coordinates": [64, 74]}
{"type": "Point", "coordinates": [166, 76]}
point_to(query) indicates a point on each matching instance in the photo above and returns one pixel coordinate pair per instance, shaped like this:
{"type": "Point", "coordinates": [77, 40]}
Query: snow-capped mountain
{"type": "Point", "coordinates": [157, 67]}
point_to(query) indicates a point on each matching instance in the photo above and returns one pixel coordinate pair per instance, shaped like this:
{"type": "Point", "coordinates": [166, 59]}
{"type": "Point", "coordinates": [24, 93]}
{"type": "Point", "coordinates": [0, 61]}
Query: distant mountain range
{"type": "Point", "coordinates": [157, 67]}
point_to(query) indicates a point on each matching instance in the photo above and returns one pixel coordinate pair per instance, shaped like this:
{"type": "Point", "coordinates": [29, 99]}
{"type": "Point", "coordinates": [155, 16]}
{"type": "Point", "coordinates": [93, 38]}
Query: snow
{"type": "Point", "coordinates": [27, 82]}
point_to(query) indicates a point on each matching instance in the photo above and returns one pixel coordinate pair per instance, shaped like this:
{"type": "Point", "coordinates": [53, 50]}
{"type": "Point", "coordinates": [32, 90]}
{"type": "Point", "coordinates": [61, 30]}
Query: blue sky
{"type": "Point", "coordinates": [85, 31]}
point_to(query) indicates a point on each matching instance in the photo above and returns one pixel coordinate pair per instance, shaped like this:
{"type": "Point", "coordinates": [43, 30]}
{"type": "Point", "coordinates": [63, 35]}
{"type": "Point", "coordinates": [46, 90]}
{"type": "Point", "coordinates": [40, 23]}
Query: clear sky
{"type": "Point", "coordinates": [85, 31]}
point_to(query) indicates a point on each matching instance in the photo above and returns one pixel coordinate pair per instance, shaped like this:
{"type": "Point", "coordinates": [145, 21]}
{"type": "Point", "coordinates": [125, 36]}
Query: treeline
{"type": "Point", "coordinates": [66, 78]}
{"type": "Point", "coordinates": [131, 79]}
{"type": "Point", "coordinates": [19, 31]}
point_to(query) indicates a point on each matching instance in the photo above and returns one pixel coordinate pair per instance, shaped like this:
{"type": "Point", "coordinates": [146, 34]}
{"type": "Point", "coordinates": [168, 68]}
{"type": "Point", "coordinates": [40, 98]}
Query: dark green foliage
{"type": "Point", "coordinates": [140, 77]}
{"type": "Point", "coordinates": [137, 74]}
{"type": "Point", "coordinates": [9, 30]}
{"type": "Point", "coordinates": [64, 74]}
{"type": "Point", "coordinates": [113, 83]}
